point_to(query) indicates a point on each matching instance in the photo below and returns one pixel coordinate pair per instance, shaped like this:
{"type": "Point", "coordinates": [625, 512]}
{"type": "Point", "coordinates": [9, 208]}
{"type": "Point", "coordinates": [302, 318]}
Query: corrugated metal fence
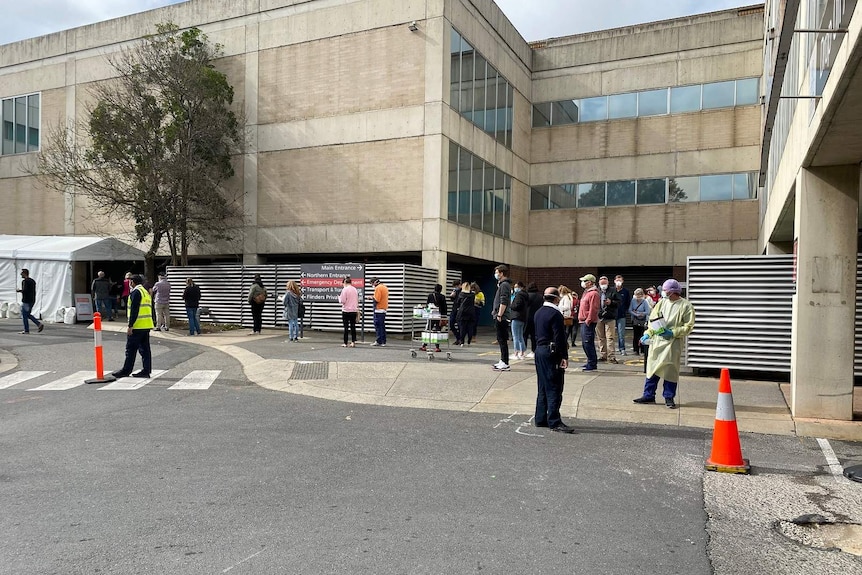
{"type": "Point", "coordinates": [224, 294]}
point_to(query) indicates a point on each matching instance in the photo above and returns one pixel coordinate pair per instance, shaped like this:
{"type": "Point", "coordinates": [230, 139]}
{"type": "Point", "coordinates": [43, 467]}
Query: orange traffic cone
{"type": "Point", "coordinates": [726, 452]}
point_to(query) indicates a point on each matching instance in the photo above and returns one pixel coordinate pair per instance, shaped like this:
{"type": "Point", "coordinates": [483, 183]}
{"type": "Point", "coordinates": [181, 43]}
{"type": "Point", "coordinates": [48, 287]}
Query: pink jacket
{"type": "Point", "coordinates": [349, 299]}
{"type": "Point", "coordinates": [590, 303]}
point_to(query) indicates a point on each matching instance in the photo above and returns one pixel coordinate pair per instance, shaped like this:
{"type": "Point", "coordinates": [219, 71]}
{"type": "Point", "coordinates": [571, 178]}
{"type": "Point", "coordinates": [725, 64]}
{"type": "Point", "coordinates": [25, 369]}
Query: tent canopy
{"type": "Point", "coordinates": [67, 248]}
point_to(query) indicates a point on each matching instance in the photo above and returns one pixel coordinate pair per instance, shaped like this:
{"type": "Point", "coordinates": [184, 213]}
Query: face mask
{"type": "Point", "coordinates": [618, 284]}
{"type": "Point", "coordinates": [663, 294]}
{"type": "Point", "coordinates": [517, 290]}
{"type": "Point", "coordinates": [583, 284]}
{"type": "Point", "coordinates": [496, 276]}
{"type": "Point", "coordinates": [603, 286]}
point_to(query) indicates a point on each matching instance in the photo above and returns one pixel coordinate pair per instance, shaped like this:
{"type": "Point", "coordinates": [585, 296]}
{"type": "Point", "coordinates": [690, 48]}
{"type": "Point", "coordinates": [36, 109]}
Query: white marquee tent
{"type": "Point", "coordinates": [50, 260]}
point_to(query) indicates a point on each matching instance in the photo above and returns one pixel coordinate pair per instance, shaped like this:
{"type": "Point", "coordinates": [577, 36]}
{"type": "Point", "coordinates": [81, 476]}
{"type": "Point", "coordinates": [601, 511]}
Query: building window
{"type": "Point", "coordinates": [707, 188]}
{"type": "Point", "coordinates": [676, 100]}
{"type": "Point", "coordinates": [479, 92]}
{"type": "Point", "coordinates": [21, 124]}
{"type": "Point", "coordinates": [480, 195]}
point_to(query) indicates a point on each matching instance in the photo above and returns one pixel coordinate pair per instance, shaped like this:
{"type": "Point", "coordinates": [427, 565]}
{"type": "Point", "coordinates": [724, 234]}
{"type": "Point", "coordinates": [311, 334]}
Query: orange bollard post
{"type": "Point", "coordinates": [100, 367]}
{"type": "Point", "coordinates": [726, 453]}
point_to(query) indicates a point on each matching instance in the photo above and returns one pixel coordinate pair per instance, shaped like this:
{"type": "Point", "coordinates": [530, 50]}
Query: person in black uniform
{"type": "Point", "coordinates": [141, 322]}
{"type": "Point", "coordinates": [551, 360]}
{"type": "Point", "coordinates": [28, 300]}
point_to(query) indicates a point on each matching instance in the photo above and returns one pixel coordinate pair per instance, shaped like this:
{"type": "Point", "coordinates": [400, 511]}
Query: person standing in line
{"type": "Point", "coordinates": [606, 330]}
{"type": "Point", "coordinates": [588, 318]}
{"type": "Point", "coordinates": [380, 297]}
{"type": "Point", "coordinates": [639, 308]}
{"type": "Point", "coordinates": [677, 316]}
{"type": "Point", "coordinates": [500, 311]}
{"type": "Point", "coordinates": [349, 300]}
{"type": "Point", "coordinates": [438, 300]}
{"type": "Point", "coordinates": [28, 300]}
{"type": "Point", "coordinates": [257, 299]}
{"type": "Point", "coordinates": [162, 300]}
{"type": "Point", "coordinates": [453, 315]}
{"type": "Point", "coordinates": [518, 315]}
{"type": "Point", "coordinates": [115, 293]}
{"type": "Point", "coordinates": [479, 299]}
{"type": "Point", "coordinates": [466, 313]}
{"type": "Point", "coordinates": [124, 295]}
{"type": "Point", "coordinates": [291, 310]}
{"type": "Point", "coordinates": [652, 293]}
{"type": "Point", "coordinates": [192, 298]}
{"type": "Point", "coordinates": [139, 311]}
{"type": "Point", "coordinates": [551, 362]}
{"type": "Point", "coordinates": [534, 299]}
{"type": "Point", "coordinates": [101, 289]}
{"type": "Point", "coordinates": [622, 312]}
{"type": "Point", "coordinates": [567, 308]}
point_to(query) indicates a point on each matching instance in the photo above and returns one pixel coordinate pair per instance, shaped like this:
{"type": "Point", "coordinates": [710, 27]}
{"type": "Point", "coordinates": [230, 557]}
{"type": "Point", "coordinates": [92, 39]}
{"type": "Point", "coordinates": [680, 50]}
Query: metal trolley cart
{"type": "Point", "coordinates": [427, 328]}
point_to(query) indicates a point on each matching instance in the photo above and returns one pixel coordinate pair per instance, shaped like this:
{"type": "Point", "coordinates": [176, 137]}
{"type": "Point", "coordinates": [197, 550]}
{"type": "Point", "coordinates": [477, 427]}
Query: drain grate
{"type": "Point", "coordinates": [310, 370]}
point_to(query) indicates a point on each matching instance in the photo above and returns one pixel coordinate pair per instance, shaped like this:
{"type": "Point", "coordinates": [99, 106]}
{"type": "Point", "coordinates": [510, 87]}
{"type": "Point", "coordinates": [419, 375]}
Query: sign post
{"type": "Point", "coordinates": [323, 283]}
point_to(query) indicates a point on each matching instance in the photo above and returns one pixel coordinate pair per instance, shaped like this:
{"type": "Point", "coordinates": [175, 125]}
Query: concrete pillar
{"type": "Point", "coordinates": [824, 307]}
{"type": "Point", "coordinates": [250, 254]}
{"type": "Point", "coordinates": [436, 259]}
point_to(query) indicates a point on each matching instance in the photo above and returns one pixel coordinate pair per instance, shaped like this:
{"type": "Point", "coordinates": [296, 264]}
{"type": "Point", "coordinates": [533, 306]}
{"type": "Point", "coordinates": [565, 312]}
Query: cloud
{"type": "Point", "coordinates": [541, 19]}
{"type": "Point", "coordinates": [29, 18]}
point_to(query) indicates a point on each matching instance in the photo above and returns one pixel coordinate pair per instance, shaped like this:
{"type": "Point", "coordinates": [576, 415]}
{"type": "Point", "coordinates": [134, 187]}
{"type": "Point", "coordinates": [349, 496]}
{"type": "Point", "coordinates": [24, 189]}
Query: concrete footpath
{"type": "Point", "coordinates": [318, 366]}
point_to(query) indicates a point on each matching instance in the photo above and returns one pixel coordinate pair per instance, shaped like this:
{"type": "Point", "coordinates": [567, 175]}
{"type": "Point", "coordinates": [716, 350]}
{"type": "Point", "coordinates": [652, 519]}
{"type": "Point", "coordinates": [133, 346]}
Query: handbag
{"type": "Point", "coordinates": [568, 321]}
{"type": "Point", "coordinates": [260, 298]}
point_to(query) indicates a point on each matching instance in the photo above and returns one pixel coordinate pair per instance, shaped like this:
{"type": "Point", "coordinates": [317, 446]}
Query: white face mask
{"type": "Point", "coordinates": [496, 276]}
{"type": "Point", "coordinates": [583, 284]}
{"type": "Point", "coordinates": [603, 286]}
{"type": "Point", "coordinates": [618, 284]}
{"type": "Point", "coordinates": [663, 294]}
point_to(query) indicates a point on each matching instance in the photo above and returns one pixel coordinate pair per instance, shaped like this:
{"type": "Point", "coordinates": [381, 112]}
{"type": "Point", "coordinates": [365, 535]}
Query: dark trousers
{"type": "Point", "coordinates": [467, 329]}
{"type": "Point", "coordinates": [550, 396]}
{"type": "Point", "coordinates": [530, 334]}
{"type": "Point", "coordinates": [348, 321]}
{"type": "Point", "coordinates": [637, 334]}
{"type": "Point", "coordinates": [139, 341]}
{"type": "Point", "coordinates": [646, 355]}
{"type": "Point", "coordinates": [257, 316]}
{"type": "Point", "coordinates": [380, 327]}
{"type": "Point", "coordinates": [503, 339]}
{"type": "Point", "coordinates": [588, 341]}
{"type": "Point", "coordinates": [651, 385]}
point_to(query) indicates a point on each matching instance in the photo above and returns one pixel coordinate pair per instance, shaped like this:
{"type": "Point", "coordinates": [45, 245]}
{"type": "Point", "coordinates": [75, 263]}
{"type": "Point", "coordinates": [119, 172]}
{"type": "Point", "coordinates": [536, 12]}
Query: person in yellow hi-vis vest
{"type": "Point", "coordinates": [140, 315]}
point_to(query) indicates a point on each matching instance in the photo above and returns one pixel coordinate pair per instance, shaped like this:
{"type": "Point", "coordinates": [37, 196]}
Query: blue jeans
{"type": "Point", "coordinates": [651, 384]}
{"type": "Point", "coordinates": [194, 322]}
{"type": "Point", "coordinates": [293, 328]}
{"type": "Point", "coordinates": [104, 304]}
{"type": "Point", "coordinates": [380, 328]}
{"type": "Point", "coordinates": [26, 308]}
{"type": "Point", "coordinates": [621, 334]}
{"type": "Point", "coordinates": [518, 335]}
{"type": "Point", "coordinates": [588, 341]}
{"type": "Point", "coordinates": [550, 395]}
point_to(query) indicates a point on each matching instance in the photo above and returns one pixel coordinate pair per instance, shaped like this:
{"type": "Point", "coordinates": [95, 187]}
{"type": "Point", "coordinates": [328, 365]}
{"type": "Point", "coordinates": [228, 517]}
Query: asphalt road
{"type": "Point", "coordinates": [237, 479]}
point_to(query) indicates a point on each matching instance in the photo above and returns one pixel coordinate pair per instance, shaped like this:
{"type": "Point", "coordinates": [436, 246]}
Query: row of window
{"type": "Point", "coordinates": [480, 93]}
{"type": "Point", "coordinates": [648, 103]}
{"type": "Point", "coordinates": [480, 195]}
{"type": "Point", "coordinates": [717, 187]}
{"type": "Point", "coordinates": [20, 121]}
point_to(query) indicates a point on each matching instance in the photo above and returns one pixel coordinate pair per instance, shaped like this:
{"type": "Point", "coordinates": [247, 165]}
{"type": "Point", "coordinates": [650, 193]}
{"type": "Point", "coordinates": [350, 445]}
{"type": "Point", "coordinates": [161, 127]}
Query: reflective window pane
{"type": "Point", "coordinates": [651, 191]}
{"type": "Point", "coordinates": [621, 193]}
{"type": "Point", "coordinates": [594, 109]}
{"type": "Point", "coordinates": [466, 97]}
{"type": "Point", "coordinates": [502, 105]}
{"type": "Point", "coordinates": [565, 112]}
{"type": "Point", "coordinates": [480, 72]}
{"type": "Point", "coordinates": [716, 188]}
{"type": "Point", "coordinates": [622, 106]}
{"type": "Point", "coordinates": [510, 114]}
{"type": "Point", "coordinates": [455, 42]}
{"type": "Point", "coordinates": [747, 91]}
{"type": "Point", "coordinates": [489, 190]}
{"type": "Point", "coordinates": [8, 127]}
{"type": "Point", "coordinates": [684, 99]}
{"type": "Point", "coordinates": [591, 195]}
{"type": "Point", "coordinates": [500, 205]}
{"type": "Point", "coordinates": [539, 198]}
{"type": "Point", "coordinates": [507, 220]}
{"type": "Point", "coordinates": [564, 196]}
{"type": "Point", "coordinates": [33, 123]}
{"type": "Point", "coordinates": [745, 186]}
{"type": "Point", "coordinates": [683, 190]}
{"type": "Point", "coordinates": [542, 115]}
{"type": "Point", "coordinates": [491, 100]}
{"type": "Point", "coordinates": [719, 95]}
{"type": "Point", "coordinates": [652, 102]}
{"type": "Point", "coordinates": [20, 125]}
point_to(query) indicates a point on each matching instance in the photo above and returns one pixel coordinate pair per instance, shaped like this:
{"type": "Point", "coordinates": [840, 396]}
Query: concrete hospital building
{"type": "Point", "coordinates": [430, 132]}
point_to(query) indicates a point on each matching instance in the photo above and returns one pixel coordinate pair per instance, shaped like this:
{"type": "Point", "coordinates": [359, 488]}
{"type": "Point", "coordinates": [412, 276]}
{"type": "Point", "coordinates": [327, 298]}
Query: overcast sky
{"type": "Point", "coordinates": [535, 19]}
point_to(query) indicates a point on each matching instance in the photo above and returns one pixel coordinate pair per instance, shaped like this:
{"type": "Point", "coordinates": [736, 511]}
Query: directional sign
{"type": "Point", "coordinates": [323, 282]}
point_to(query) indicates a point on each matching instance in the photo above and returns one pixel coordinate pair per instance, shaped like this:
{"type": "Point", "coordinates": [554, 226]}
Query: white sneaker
{"type": "Point", "coordinates": [502, 367]}
{"type": "Point", "coordinates": [375, 344]}
{"type": "Point", "coordinates": [531, 355]}
{"type": "Point", "coordinates": [499, 364]}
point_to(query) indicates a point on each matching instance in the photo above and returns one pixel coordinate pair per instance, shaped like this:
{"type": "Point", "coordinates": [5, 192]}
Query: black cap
{"type": "Point", "coordinates": [373, 280]}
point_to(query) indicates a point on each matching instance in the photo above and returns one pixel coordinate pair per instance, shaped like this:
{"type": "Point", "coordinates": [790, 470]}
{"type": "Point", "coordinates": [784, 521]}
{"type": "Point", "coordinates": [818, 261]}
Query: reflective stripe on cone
{"type": "Point", "coordinates": [726, 453]}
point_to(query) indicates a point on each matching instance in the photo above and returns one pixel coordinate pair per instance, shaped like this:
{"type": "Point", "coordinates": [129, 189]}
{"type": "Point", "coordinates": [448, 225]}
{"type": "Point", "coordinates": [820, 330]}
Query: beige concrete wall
{"type": "Point", "coordinates": [357, 183]}
{"type": "Point", "coordinates": [34, 211]}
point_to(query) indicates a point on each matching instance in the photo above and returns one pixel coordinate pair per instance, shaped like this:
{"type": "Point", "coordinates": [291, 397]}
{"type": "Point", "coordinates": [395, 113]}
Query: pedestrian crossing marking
{"type": "Point", "coordinates": [19, 377]}
{"type": "Point", "coordinates": [132, 383]}
{"type": "Point", "coordinates": [199, 379]}
{"type": "Point", "coordinates": [68, 382]}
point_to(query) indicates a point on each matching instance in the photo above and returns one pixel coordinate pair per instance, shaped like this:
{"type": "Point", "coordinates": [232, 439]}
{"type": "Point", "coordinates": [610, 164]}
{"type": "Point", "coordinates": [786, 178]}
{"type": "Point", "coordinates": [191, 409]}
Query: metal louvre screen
{"type": "Point", "coordinates": [224, 293]}
{"type": "Point", "coordinates": [744, 310]}
{"type": "Point", "coordinates": [857, 345]}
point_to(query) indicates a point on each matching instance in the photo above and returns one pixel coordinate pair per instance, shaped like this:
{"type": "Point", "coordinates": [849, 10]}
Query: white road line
{"type": "Point", "coordinates": [68, 382]}
{"type": "Point", "coordinates": [198, 379]}
{"type": "Point", "coordinates": [132, 383]}
{"type": "Point", "coordinates": [507, 420]}
{"type": "Point", "coordinates": [19, 377]}
{"type": "Point", "coordinates": [834, 465]}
